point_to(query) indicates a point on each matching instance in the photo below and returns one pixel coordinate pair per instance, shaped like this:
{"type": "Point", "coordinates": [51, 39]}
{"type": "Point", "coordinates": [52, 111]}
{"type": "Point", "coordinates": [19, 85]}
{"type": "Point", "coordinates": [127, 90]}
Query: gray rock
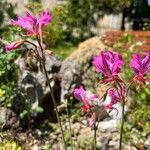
{"type": "Point", "coordinates": [113, 145]}
{"type": "Point", "coordinates": [8, 119]}
{"type": "Point", "coordinates": [77, 68]}
{"type": "Point", "coordinates": [70, 75]}
{"type": "Point", "coordinates": [33, 82]}
{"type": "Point", "coordinates": [102, 144]}
{"type": "Point", "coordinates": [147, 143]}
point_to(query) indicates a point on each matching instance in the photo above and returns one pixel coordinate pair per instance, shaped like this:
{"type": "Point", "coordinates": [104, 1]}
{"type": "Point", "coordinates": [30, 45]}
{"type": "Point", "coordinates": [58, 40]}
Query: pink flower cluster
{"type": "Point", "coordinates": [88, 102]}
{"type": "Point", "coordinates": [114, 98]}
{"type": "Point", "coordinates": [33, 26]}
{"type": "Point", "coordinates": [141, 67]}
{"type": "Point", "coordinates": [83, 97]}
{"type": "Point", "coordinates": [110, 63]}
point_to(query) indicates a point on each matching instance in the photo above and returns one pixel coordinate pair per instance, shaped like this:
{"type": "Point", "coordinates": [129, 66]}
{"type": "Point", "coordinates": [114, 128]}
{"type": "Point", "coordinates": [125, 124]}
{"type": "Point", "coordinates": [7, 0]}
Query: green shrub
{"type": "Point", "coordinates": [55, 33]}
{"type": "Point", "coordinates": [8, 77]}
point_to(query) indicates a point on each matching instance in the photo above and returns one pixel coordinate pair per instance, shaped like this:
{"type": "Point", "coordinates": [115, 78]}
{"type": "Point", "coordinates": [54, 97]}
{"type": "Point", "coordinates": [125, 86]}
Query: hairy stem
{"type": "Point", "coordinates": [51, 91]}
{"type": "Point", "coordinates": [55, 105]}
{"type": "Point", "coordinates": [95, 136]}
{"type": "Point", "coordinates": [70, 129]}
{"type": "Point", "coordinates": [122, 124]}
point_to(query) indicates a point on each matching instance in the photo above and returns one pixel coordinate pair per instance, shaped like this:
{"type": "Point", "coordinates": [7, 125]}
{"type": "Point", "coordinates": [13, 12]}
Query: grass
{"type": "Point", "coordinates": [64, 50]}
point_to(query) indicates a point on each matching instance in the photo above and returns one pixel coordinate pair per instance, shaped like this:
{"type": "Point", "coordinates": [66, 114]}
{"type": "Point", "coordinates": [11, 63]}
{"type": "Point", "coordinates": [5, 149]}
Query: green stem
{"type": "Point", "coordinates": [95, 137]}
{"type": "Point", "coordinates": [122, 124]}
{"type": "Point", "coordinates": [70, 130]}
{"type": "Point", "coordinates": [55, 105]}
{"type": "Point", "coordinates": [40, 42]}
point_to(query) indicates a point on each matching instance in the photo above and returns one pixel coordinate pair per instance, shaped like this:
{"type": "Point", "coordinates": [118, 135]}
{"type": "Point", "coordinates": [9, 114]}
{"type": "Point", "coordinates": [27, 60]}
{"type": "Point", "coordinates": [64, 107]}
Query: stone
{"type": "Point", "coordinates": [113, 145]}
{"type": "Point", "coordinates": [70, 75]}
{"type": "Point", "coordinates": [147, 143]}
{"type": "Point", "coordinates": [8, 119]}
{"type": "Point", "coordinates": [34, 85]}
{"type": "Point", "coordinates": [77, 68]}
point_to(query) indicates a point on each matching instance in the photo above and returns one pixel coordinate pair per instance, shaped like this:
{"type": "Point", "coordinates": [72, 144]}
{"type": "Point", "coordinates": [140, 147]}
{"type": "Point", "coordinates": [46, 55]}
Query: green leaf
{"type": "Point", "coordinates": [39, 109]}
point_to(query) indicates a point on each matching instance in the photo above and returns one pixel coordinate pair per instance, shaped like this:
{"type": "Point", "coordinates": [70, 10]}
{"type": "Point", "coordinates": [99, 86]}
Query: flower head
{"type": "Point", "coordinates": [109, 64]}
{"type": "Point", "coordinates": [82, 96]}
{"type": "Point", "coordinates": [141, 67]}
{"type": "Point", "coordinates": [14, 45]}
{"type": "Point", "coordinates": [32, 24]}
{"type": "Point", "coordinates": [114, 97]}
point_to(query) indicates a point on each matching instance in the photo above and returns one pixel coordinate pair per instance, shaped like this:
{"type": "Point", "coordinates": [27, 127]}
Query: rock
{"type": "Point", "coordinates": [113, 145]}
{"type": "Point", "coordinates": [35, 147]}
{"type": "Point", "coordinates": [8, 119]}
{"type": "Point", "coordinates": [34, 85]}
{"type": "Point", "coordinates": [86, 131]}
{"type": "Point", "coordinates": [99, 145]}
{"type": "Point", "coordinates": [56, 147]}
{"type": "Point", "coordinates": [70, 74]}
{"type": "Point", "coordinates": [87, 48]}
{"type": "Point", "coordinates": [76, 127]}
{"type": "Point", "coordinates": [110, 125]}
{"type": "Point", "coordinates": [147, 143]}
{"type": "Point", "coordinates": [77, 68]}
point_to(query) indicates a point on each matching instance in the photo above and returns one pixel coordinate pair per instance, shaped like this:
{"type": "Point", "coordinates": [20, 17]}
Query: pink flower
{"type": "Point", "coordinates": [114, 96]}
{"type": "Point", "coordinates": [81, 95]}
{"type": "Point", "coordinates": [32, 24]}
{"type": "Point", "coordinates": [14, 45]}
{"type": "Point", "coordinates": [109, 64]}
{"type": "Point", "coordinates": [141, 67]}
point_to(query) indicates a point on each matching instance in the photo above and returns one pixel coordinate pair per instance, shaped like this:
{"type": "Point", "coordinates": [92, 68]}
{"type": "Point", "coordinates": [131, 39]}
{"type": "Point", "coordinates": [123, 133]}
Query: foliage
{"type": "Point", "coordinates": [85, 141]}
{"type": "Point", "coordinates": [8, 69]}
{"type": "Point", "coordinates": [138, 13]}
{"type": "Point", "coordinates": [146, 26]}
{"type": "Point", "coordinates": [6, 11]}
{"type": "Point", "coordinates": [120, 46]}
{"type": "Point", "coordinates": [140, 118]}
{"type": "Point", "coordinates": [137, 125]}
{"type": "Point", "coordinates": [54, 34]}
{"type": "Point", "coordinates": [141, 9]}
{"type": "Point", "coordinates": [6, 145]}
{"type": "Point", "coordinates": [83, 15]}
{"type": "Point", "coordinates": [34, 7]}
{"type": "Point", "coordinates": [64, 49]}
{"type": "Point", "coordinates": [8, 77]}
